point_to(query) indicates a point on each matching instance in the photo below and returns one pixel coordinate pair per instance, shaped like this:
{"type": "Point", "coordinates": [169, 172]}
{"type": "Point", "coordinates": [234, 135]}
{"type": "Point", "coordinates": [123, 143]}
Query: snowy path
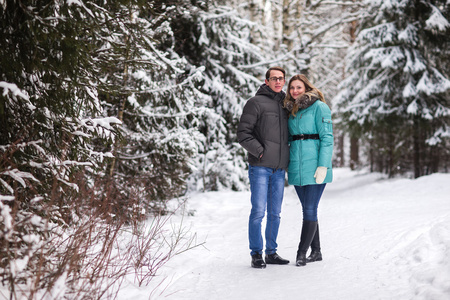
{"type": "Point", "coordinates": [381, 239]}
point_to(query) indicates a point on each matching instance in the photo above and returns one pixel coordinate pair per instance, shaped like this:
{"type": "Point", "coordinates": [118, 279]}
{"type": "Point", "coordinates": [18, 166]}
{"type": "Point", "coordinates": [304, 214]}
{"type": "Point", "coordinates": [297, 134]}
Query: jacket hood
{"type": "Point", "coordinates": [265, 90]}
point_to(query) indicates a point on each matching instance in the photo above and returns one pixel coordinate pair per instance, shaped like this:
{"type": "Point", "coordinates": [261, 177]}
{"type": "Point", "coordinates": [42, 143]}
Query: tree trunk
{"type": "Point", "coordinates": [354, 143]}
{"type": "Point", "coordinates": [354, 153]}
{"type": "Point", "coordinates": [277, 28]}
{"type": "Point", "coordinates": [340, 149]}
{"type": "Point", "coordinates": [416, 148]}
{"type": "Point", "coordinates": [255, 16]}
{"type": "Point", "coordinates": [291, 14]}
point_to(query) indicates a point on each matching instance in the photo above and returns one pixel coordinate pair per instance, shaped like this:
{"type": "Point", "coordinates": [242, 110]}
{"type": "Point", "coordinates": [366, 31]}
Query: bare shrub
{"type": "Point", "coordinates": [84, 251]}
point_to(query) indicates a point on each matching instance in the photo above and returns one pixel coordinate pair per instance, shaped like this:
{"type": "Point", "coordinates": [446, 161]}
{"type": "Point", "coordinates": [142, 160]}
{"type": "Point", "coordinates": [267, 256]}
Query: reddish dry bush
{"type": "Point", "coordinates": [84, 245]}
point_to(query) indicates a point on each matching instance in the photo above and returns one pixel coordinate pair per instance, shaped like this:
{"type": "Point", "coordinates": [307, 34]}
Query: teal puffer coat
{"type": "Point", "coordinates": [307, 155]}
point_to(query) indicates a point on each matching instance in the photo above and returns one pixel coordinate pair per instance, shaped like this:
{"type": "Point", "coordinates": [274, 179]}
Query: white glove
{"type": "Point", "coordinates": [320, 174]}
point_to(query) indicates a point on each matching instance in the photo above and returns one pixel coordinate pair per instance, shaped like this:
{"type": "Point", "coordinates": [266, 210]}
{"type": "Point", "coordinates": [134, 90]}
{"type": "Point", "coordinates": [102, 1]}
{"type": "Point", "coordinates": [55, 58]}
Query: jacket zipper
{"type": "Point", "coordinates": [300, 152]}
{"type": "Point", "coordinates": [280, 124]}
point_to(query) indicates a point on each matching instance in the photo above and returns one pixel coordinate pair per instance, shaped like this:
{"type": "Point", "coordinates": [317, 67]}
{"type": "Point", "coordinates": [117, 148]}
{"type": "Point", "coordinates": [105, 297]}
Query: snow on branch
{"type": "Point", "coordinates": [7, 219]}
{"type": "Point", "coordinates": [147, 111]}
{"type": "Point", "coordinates": [7, 198]}
{"type": "Point", "coordinates": [70, 184]}
{"type": "Point", "coordinates": [409, 91]}
{"type": "Point", "coordinates": [379, 34]}
{"type": "Point", "coordinates": [103, 126]}
{"type": "Point", "coordinates": [16, 92]}
{"type": "Point", "coordinates": [409, 35]}
{"type": "Point", "coordinates": [326, 27]}
{"type": "Point", "coordinates": [7, 87]}
{"type": "Point", "coordinates": [414, 62]}
{"type": "Point", "coordinates": [104, 122]}
{"type": "Point", "coordinates": [80, 4]}
{"type": "Point", "coordinates": [19, 176]}
{"type": "Point", "coordinates": [433, 82]}
{"type": "Point", "coordinates": [35, 144]}
{"type": "Point", "coordinates": [164, 58]}
{"type": "Point", "coordinates": [386, 57]}
{"type": "Point", "coordinates": [196, 75]}
{"type": "Point", "coordinates": [7, 186]}
{"type": "Point", "coordinates": [242, 77]}
{"type": "Point", "coordinates": [437, 22]}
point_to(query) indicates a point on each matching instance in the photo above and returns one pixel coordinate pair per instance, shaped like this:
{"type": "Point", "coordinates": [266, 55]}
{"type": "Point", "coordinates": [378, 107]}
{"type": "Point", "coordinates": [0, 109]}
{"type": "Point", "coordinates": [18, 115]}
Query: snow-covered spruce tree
{"type": "Point", "coordinates": [60, 64]}
{"type": "Point", "coordinates": [49, 112]}
{"type": "Point", "coordinates": [213, 36]}
{"type": "Point", "coordinates": [396, 97]}
{"type": "Point", "coordinates": [159, 105]}
{"type": "Point", "coordinates": [233, 72]}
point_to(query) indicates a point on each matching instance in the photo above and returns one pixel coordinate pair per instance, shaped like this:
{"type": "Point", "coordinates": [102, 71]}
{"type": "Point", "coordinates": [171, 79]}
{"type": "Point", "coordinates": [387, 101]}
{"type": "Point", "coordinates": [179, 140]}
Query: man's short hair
{"type": "Point", "coordinates": [277, 69]}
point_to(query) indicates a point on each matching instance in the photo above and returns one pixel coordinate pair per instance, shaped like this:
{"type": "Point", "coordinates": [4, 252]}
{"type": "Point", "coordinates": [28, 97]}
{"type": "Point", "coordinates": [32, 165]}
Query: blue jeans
{"type": "Point", "coordinates": [267, 189]}
{"type": "Point", "coordinates": [309, 197]}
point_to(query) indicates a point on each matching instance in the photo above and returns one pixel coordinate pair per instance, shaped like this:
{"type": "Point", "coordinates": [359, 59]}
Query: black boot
{"type": "Point", "coordinates": [308, 232]}
{"type": "Point", "coordinates": [275, 259]}
{"type": "Point", "coordinates": [258, 261]}
{"type": "Point", "coordinates": [315, 255]}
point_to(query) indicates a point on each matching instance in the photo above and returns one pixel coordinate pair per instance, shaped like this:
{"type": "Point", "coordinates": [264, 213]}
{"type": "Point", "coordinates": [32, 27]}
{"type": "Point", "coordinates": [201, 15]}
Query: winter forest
{"type": "Point", "coordinates": [108, 109]}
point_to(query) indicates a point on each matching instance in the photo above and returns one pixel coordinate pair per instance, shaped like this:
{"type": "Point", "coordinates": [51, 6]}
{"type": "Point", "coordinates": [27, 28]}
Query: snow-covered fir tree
{"type": "Point", "coordinates": [232, 73]}
{"type": "Point", "coordinates": [49, 114]}
{"type": "Point", "coordinates": [159, 104]}
{"type": "Point", "coordinates": [74, 75]}
{"type": "Point", "coordinates": [396, 97]}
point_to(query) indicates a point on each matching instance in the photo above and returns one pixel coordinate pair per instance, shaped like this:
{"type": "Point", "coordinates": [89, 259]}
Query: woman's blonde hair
{"type": "Point", "coordinates": [310, 91]}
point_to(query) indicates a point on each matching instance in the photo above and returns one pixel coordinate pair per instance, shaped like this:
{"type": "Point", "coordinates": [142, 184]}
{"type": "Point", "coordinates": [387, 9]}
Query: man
{"type": "Point", "coordinates": [263, 132]}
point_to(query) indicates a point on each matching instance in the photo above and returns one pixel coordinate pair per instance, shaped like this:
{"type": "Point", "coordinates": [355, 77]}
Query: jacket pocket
{"type": "Point", "coordinates": [327, 124]}
{"type": "Point", "coordinates": [271, 127]}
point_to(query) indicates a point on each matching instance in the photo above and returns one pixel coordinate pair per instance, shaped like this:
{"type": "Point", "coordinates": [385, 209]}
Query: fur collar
{"type": "Point", "coordinates": [302, 102]}
{"type": "Point", "coordinates": [305, 101]}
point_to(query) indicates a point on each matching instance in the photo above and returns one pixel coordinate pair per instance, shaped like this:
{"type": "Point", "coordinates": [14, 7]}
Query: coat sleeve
{"type": "Point", "coordinates": [246, 133]}
{"type": "Point", "coordinates": [325, 128]}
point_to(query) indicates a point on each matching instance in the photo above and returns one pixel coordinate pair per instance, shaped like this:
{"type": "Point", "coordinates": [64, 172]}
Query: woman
{"type": "Point", "coordinates": [311, 148]}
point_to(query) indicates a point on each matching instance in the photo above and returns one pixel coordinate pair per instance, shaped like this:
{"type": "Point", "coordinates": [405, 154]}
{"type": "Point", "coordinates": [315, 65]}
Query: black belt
{"type": "Point", "coordinates": [305, 137]}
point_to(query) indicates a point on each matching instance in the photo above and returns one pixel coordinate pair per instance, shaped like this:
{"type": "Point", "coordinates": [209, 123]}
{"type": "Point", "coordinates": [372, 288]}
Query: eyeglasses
{"type": "Point", "coordinates": [280, 79]}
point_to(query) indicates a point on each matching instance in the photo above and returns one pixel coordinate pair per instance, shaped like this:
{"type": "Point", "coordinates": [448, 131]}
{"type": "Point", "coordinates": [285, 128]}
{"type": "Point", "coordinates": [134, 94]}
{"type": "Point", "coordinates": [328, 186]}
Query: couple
{"type": "Point", "coordinates": [280, 132]}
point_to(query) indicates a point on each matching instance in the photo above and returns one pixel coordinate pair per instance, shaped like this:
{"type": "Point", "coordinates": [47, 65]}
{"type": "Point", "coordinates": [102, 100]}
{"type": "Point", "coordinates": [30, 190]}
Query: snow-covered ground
{"type": "Point", "coordinates": [381, 239]}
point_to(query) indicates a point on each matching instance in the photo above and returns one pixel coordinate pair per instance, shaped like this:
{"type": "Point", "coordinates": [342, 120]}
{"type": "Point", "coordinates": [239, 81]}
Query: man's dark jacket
{"type": "Point", "coordinates": [263, 129]}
